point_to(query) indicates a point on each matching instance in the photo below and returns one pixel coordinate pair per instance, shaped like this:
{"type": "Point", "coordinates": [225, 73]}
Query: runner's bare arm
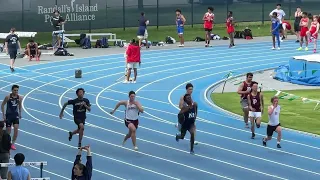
{"type": "Point", "coordinates": [139, 106]}
{"type": "Point", "coordinates": [4, 102]}
{"type": "Point", "coordinates": [183, 19]}
{"type": "Point", "coordinates": [240, 89]}
{"type": "Point", "coordinates": [124, 103]}
{"type": "Point", "coordinates": [196, 107]}
{"type": "Point", "coordinates": [181, 102]}
{"type": "Point", "coordinates": [262, 102]}
{"type": "Point", "coordinates": [184, 109]}
{"type": "Point", "coordinates": [249, 102]}
{"type": "Point", "coordinates": [270, 109]}
{"type": "Point", "coordinates": [20, 105]}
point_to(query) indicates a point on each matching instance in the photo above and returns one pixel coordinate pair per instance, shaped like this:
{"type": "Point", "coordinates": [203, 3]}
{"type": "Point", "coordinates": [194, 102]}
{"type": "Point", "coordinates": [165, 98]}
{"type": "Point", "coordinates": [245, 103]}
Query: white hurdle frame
{"type": "Point", "coordinates": [41, 164]}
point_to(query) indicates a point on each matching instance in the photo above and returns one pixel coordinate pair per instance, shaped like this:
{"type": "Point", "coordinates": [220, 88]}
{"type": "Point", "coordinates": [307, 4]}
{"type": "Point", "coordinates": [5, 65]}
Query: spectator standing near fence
{"type": "Point", "coordinates": [79, 170]}
{"type": "Point", "coordinates": [5, 145]}
{"type": "Point", "coordinates": [19, 172]}
{"type": "Point", "coordinates": [142, 30]}
{"type": "Point", "coordinates": [280, 15]}
{"type": "Point", "coordinates": [298, 17]}
{"type": "Point", "coordinates": [180, 21]}
{"type": "Point", "coordinates": [208, 19]}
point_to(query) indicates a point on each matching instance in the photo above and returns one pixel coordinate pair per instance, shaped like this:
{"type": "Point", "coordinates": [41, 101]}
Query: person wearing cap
{"type": "Point", "coordinates": [133, 60]}
{"type": "Point", "coordinates": [57, 21]}
{"type": "Point", "coordinates": [5, 145]}
{"type": "Point", "coordinates": [80, 107]}
{"type": "Point", "coordinates": [12, 44]}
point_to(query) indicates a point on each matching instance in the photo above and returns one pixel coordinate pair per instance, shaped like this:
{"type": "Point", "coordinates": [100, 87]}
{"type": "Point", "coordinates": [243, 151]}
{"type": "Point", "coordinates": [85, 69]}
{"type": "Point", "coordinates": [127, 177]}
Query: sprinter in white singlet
{"type": "Point", "coordinates": [133, 108]}
{"type": "Point", "coordinates": [274, 123]}
{"type": "Point", "coordinates": [182, 103]}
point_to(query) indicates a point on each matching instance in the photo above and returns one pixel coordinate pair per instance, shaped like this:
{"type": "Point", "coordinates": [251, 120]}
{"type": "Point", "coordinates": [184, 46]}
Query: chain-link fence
{"type": "Point", "coordinates": [34, 15]}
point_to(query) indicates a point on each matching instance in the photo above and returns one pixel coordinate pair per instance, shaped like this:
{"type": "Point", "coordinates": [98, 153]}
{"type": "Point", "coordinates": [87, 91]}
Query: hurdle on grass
{"type": "Point", "coordinates": [41, 164]}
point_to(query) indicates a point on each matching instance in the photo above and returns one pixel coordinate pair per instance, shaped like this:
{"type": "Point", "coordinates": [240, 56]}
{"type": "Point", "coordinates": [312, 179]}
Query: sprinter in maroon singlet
{"type": "Point", "coordinates": [244, 89]}
{"type": "Point", "coordinates": [256, 105]}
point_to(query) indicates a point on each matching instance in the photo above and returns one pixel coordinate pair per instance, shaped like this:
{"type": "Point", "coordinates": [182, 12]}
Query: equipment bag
{"type": "Point", "coordinates": [104, 42]}
{"type": "Point", "coordinates": [87, 44]}
{"type": "Point", "coordinates": [247, 33]}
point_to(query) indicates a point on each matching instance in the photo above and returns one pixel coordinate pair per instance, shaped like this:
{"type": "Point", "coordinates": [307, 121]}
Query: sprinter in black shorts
{"type": "Point", "coordinates": [187, 118]}
{"type": "Point", "coordinates": [80, 107]}
{"type": "Point", "coordinates": [12, 115]}
{"type": "Point", "coordinates": [11, 46]}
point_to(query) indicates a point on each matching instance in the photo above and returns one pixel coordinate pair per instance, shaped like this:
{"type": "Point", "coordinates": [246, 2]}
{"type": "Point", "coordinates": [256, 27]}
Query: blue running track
{"type": "Point", "coordinates": [225, 150]}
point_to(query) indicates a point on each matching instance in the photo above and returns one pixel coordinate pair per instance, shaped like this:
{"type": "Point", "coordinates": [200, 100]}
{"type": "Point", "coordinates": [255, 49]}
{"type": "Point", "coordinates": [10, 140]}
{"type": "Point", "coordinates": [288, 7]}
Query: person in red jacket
{"type": "Point", "coordinates": [208, 19]}
{"type": "Point", "coordinates": [133, 60]}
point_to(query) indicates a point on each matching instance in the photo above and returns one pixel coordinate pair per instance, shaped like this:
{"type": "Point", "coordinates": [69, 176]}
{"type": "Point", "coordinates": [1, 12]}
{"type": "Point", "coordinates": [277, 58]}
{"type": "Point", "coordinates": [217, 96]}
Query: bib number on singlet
{"type": "Point", "coordinates": [191, 115]}
{"type": "Point", "coordinates": [254, 101]}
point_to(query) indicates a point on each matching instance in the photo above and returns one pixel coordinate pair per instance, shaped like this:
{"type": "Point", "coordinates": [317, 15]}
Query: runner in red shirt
{"type": "Point", "coordinates": [133, 60]}
{"type": "Point", "coordinates": [303, 30]}
{"type": "Point", "coordinates": [286, 26]}
{"type": "Point", "coordinates": [208, 25]}
{"type": "Point", "coordinates": [313, 32]}
{"type": "Point", "coordinates": [230, 28]}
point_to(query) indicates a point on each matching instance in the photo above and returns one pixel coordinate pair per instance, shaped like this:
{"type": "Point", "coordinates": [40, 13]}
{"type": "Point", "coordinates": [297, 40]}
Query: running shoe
{"type": "Point", "coordinates": [278, 146]}
{"type": "Point", "coordinates": [13, 147]}
{"type": "Point", "coordinates": [253, 135]}
{"type": "Point", "coordinates": [70, 136]}
{"type": "Point", "coordinates": [299, 49]}
{"type": "Point", "coordinates": [264, 142]}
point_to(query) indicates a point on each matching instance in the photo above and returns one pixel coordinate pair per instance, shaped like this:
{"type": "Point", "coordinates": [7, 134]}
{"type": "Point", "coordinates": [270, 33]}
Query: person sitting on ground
{"type": "Point", "coordinates": [81, 171]}
{"type": "Point", "coordinates": [32, 50]}
{"type": "Point", "coordinates": [19, 172]}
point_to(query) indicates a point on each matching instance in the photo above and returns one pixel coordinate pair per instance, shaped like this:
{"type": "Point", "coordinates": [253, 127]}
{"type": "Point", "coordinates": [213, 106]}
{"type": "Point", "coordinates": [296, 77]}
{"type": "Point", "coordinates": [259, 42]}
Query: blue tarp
{"type": "Point", "coordinates": [282, 73]}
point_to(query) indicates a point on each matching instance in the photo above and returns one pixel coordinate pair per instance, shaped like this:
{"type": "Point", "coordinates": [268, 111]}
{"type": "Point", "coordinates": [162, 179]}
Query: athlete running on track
{"type": "Point", "coordinates": [256, 105]}
{"type": "Point", "coordinates": [80, 107]}
{"type": "Point", "coordinates": [244, 89]}
{"type": "Point", "coordinates": [274, 123]}
{"type": "Point", "coordinates": [182, 103]}
{"type": "Point", "coordinates": [133, 108]}
{"type": "Point", "coordinates": [187, 116]}
{"type": "Point", "coordinates": [13, 112]}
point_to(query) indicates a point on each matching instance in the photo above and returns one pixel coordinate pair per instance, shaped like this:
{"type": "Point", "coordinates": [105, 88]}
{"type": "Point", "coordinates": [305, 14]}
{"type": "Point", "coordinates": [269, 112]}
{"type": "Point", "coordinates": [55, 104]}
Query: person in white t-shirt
{"type": "Point", "coordinates": [274, 123]}
{"type": "Point", "coordinates": [281, 15]}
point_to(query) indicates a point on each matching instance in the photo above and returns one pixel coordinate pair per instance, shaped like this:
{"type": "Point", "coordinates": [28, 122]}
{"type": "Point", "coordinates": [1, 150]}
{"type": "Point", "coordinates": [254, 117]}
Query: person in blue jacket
{"type": "Point", "coordinates": [79, 170]}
